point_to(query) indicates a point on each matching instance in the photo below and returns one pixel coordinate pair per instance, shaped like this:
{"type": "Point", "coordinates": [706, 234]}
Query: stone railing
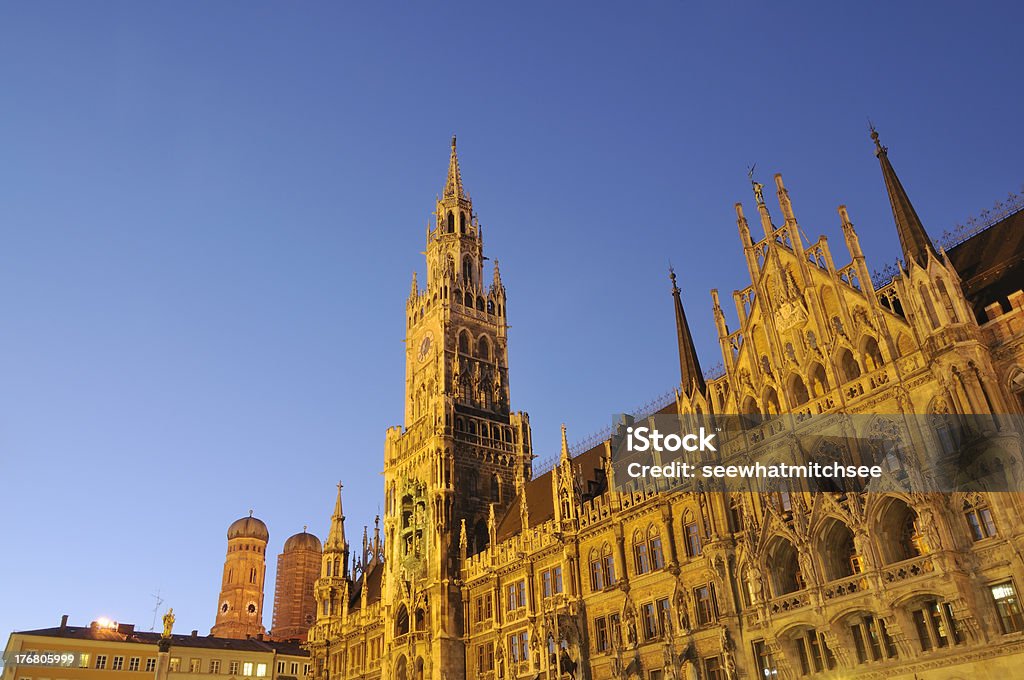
{"type": "Point", "coordinates": [789, 602]}
{"type": "Point", "coordinates": [849, 585]}
{"type": "Point", "coordinates": [908, 569]}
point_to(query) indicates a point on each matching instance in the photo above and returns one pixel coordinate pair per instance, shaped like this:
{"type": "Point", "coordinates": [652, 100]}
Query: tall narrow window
{"type": "Point", "coordinates": [691, 535]}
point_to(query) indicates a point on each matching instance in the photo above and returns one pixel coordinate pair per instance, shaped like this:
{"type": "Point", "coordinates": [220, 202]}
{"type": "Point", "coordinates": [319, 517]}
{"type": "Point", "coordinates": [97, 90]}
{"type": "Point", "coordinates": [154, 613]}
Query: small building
{"type": "Point", "coordinates": [116, 651]}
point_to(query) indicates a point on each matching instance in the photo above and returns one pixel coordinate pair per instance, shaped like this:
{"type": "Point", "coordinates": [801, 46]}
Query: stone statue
{"type": "Point", "coordinates": [168, 624]}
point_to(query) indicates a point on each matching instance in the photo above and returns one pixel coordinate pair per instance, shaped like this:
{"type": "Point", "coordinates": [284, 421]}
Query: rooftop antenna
{"type": "Point", "coordinates": [156, 607]}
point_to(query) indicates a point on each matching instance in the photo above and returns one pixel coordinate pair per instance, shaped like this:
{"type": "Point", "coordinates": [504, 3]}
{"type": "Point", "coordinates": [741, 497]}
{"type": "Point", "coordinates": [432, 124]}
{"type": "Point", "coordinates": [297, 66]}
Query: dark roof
{"type": "Point", "coordinates": [991, 263]}
{"type": "Point", "coordinates": [126, 634]}
{"type": "Point", "coordinates": [372, 580]}
{"type": "Point", "coordinates": [589, 469]}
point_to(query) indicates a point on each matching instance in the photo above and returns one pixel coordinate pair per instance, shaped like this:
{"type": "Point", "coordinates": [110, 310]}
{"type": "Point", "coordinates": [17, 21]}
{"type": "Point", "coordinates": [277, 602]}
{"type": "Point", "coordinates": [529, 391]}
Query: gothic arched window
{"type": "Point", "coordinates": [798, 390]}
{"type": "Point", "coordinates": [929, 307]}
{"type": "Point", "coordinates": [483, 348]}
{"type": "Point", "coordinates": [451, 223]}
{"type": "Point", "coordinates": [464, 342]}
{"type": "Point", "coordinates": [872, 354]}
{"type": "Point", "coordinates": [467, 271]}
{"type": "Point", "coordinates": [819, 381]}
{"type": "Point", "coordinates": [641, 556]}
{"type": "Point", "coordinates": [784, 567]}
{"type": "Point", "coordinates": [402, 621]}
{"type": "Point", "coordinates": [462, 222]}
{"type": "Point", "coordinates": [848, 367]}
{"type": "Point", "coordinates": [691, 535]}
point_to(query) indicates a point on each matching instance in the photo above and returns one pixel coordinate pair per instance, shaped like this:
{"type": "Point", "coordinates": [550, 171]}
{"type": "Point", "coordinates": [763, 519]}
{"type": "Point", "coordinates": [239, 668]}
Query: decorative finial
{"type": "Point", "coordinates": [874, 137]}
{"type": "Point", "coordinates": [304, 527]}
{"type": "Point", "coordinates": [672, 275]}
{"type": "Point", "coordinates": [340, 485]}
{"type": "Point", "coordinates": [758, 195]}
{"type": "Point", "coordinates": [453, 142]}
{"type": "Point", "coordinates": [250, 512]}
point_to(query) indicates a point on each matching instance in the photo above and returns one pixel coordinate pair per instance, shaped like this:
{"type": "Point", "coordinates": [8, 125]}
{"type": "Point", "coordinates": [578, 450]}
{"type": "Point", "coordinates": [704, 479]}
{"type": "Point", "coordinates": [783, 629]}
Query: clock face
{"type": "Point", "coordinates": [252, 607]}
{"type": "Point", "coordinates": [425, 344]}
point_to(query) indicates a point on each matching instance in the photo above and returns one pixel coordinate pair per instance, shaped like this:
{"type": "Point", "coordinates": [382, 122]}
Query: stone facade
{"type": "Point", "coordinates": [483, 571]}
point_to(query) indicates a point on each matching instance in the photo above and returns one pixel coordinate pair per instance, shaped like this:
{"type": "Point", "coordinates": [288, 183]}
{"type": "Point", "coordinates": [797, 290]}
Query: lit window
{"type": "Point", "coordinates": [1008, 606]}
{"type": "Point", "coordinates": [261, 670]}
{"type": "Point", "coordinates": [194, 665]}
{"type": "Point", "coordinates": [247, 669]}
{"type": "Point", "coordinates": [175, 664]}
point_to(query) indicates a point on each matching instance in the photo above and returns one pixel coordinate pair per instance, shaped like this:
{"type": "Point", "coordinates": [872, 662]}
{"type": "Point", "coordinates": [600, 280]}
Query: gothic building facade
{"type": "Point", "coordinates": [482, 570]}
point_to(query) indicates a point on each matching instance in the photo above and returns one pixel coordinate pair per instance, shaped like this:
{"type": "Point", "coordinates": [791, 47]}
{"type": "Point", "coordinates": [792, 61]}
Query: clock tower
{"type": "Point", "coordinates": [455, 463]}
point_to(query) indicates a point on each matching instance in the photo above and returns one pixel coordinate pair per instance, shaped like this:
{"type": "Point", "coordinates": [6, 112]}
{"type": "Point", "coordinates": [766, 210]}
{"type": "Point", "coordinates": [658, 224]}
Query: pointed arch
{"type": "Point", "coordinates": [483, 348]}
{"type": "Point", "coordinates": [819, 380]}
{"type": "Point", "coordinates": [896, 525]}
{"type": "Point", "coordinates": [872, 353]}
{"type": "Point", "coordinates": [783, 567]}
{"type": "Point", "coordinates": [798, 390]}
{"type": "Point", "coordinates": [837, 550]}
{"type": "Point", "coordinates": [849, 369]}
{"type": "Point", "coordinates": [402, 622]}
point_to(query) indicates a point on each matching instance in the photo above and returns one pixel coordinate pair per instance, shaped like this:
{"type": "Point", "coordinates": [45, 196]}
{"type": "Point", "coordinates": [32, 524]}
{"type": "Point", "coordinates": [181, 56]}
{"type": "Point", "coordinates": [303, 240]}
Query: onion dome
{"type": "Point", "coordinates": [248, 527]}
{"type": "Point", "coordinates": [303, 541]}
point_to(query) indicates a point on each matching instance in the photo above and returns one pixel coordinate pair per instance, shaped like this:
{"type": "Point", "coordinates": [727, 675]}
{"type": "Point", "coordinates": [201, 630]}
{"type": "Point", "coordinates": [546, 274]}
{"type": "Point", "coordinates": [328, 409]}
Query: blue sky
{"type": "Point", "coordinates": [210, 213]}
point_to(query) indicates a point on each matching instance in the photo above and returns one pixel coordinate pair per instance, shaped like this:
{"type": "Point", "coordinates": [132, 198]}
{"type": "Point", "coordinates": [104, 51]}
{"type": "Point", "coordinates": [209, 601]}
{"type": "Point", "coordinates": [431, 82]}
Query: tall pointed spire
{"type": "Point", "coordinates": [453, 187]}
{"type": "Point", "coordinates": [689, 366]}
{"type": "Point", "coordinates": [565, 447]}
{"type": "Point", "coordinates": [336, 536]}
{"type": "Point", "coordinates": [913, 238]}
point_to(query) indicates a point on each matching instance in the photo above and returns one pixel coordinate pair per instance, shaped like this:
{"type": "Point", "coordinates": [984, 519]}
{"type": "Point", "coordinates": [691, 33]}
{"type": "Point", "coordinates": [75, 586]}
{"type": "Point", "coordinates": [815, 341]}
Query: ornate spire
{"type": "Point", "coordinates": [565, 447]}
{"type": "Point", "coordinates": [497, 285]}
{"type": "Point", "coordinates": [913, 238]}
{"type": "Point", "coordinates": [689, 366]}
{"type": "Point", "coordinates": [415, 290]}
{"type": "Point", "coordinates": [336, 536]}
{"type": "Point", "coordinates": [453, 187]}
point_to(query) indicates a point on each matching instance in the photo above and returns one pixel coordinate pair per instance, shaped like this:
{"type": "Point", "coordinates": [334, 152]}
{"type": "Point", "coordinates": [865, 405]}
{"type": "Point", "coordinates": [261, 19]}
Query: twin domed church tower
{"type": "Point", "coordinates": [240, 606]}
